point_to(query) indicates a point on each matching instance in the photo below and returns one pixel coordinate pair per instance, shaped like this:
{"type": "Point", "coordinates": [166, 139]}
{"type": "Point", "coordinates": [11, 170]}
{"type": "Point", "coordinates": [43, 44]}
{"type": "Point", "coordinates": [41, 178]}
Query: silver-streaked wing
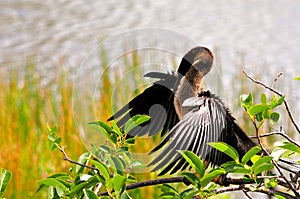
{"type": "Point", "coordinates": [204, 123]}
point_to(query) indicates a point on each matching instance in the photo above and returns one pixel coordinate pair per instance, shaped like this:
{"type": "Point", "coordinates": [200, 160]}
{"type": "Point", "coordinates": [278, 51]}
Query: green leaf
{"type": "Point", "coordinates": [51, 193]}
{"type": "Point", "coordinates": [261, 160]}
{"type": "Point", "coordinates": [246, 100]}
{"type": "Point", "coordinates": [297, 78]}
{"type": "Point", "coordinates": [263, 98]}
{"type": "Point", "coordinates": [51, 129]}
{"type": "Point", "coordinates": [194, 161]}
{"type": "Point", "coordinates": [105, 197]}
{"type": "Point", "coordinates": [101, 124]}
{"type": "Point", "coordinates": [88, 194]}
{"type": "Point", "coordinates": [77, 188]}
{"type": "Point", "coordinates": [169, 195]}
{"type": "Point", "coordinates": [262, 164]}
{"type": "Point", "coordinates": [288, 145]}
{"type": "Point", "coordinates": [116, 129]}
{"type": "Point", "coordinates": [189, 193]}
{"type": "Point", "coordinates": [167, 188]}
{"type": "Point", "coordinates": [135, 121]}
{"type": "Point", "coordinates": [211, 175]}
{"type": "Point", "coordinates": [233, 167]}
{"type": "Point", "coordinates": [105, 130]}
{"type": "Point", "coordinates": [62, 177]}
{"type": "Point", "coordinates": [210, 186]}
{"type": "Point", "coordinates": [125, 195]}
{"type": "Point", "coordinates": [83, 159]}
{"type": "Point", "coordinates": [116, 164]}
{"type": "Point", "coordinates": [270, 183]}
{"type": "Point", "coordinates": [106, 149]}
{"type": "Point", "coordinates": [192, 178]}
{"type": "Point", "coordinates": [277, 153]}
{"type": "Point", "coordinates": [54, 183]}
{"type": "Point", "coordinates": [225, 148]}
{"type": "Point", "coordinates": [266, 114]}
{"type": "Point", "coordinates": [259, 116]}
{"type": "Point", "coordinates": [257, 108]}
{"type": "Point", "coordinates": [276, 102]}
{"type": "Point", "coordinates": [119, 182]}
{"type": "Point", "coordinates": [102, 168]}
{"type": "Point", "coordinates": [253, 151]}
{"type": "Point", "coordinates": [263, 167]}
{"type": "Point", "coordinates": [5, 178]}
{"type": "Point", "coordinates": [54, 141]}
{"type": "Point", "coordinates": [254, 158]}
{"type": "Point", "coordinates": [278, 196]}
{"type": "Point", "coordinates": [130, 179]}
{"type": "Point", "coordinates": [130, 141]}
{"type": "Point", "coordinates": [274, 117]}
{"type": "Point", "coordinates": [60, 192]}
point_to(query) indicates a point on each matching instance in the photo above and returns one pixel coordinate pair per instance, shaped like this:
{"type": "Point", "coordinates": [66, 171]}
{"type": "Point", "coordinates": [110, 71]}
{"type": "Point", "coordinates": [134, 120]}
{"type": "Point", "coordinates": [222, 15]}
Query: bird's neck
{"type": "Point", "coordinates": [194, 79]}
{"type": "Point", "coordinates": [190, 85]}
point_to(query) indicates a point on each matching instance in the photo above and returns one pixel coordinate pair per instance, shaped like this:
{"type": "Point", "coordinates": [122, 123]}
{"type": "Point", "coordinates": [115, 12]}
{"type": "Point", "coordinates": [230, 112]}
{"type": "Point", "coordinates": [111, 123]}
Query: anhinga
{"type": "Point", "coordinates": [187, 115]}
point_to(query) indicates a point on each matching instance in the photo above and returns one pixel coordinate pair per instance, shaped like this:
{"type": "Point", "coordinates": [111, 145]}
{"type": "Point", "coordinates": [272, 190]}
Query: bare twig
{"type": "Point", "coordinates": [276, 79]}
{"type": "Point", "coordinates": [281, 133]}
{"type": "Point", "coordinates": [279, 94]}
{"type": "Point", "coordinates": [62, 149]}
{"type": "Point", "coordinates": [246, 194]}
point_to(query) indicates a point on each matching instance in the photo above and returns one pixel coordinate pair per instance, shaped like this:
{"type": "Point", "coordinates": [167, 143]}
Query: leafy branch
{"type": "Point", "coordinates": [260, 112]}
{"type": "Point", "coordinates": [279, 94]}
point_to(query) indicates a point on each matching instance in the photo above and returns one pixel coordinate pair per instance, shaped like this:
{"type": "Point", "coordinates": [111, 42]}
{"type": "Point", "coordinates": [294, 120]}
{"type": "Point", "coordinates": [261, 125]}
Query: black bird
{"type": "Point", "coordinates": [188, 115]}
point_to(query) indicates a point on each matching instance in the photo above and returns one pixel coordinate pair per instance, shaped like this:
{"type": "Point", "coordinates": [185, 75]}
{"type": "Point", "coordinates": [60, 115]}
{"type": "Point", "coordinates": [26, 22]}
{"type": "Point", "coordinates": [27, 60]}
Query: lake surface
{"type": "Point", "coordinates": [264, 32]}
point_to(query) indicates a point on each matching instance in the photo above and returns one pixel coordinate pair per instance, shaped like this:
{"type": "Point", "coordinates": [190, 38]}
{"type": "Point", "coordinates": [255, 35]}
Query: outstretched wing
{"type": "Point", "coordinates": [157, 102]}
{"type": "Point", "coordinates": [204, 123]}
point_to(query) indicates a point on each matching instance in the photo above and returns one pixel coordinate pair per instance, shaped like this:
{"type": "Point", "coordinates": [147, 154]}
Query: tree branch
{"type": "Point", "coordinates": [237, 182]}
{"type": "Point", "coordinates": [278, 133]}
{"type": "Point", "coordinates": [152, 183]}
{"type": "Point", "coordinates": [62, 150]}
{"type": "Point", "coordinates": [246, 188]}
{"type": "Point", "coordinates": [279, 94]}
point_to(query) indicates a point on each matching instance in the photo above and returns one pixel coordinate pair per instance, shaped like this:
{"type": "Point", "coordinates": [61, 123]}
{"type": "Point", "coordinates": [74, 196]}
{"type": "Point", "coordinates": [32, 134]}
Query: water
{"type": "Point", "coordinates": [266, 32]}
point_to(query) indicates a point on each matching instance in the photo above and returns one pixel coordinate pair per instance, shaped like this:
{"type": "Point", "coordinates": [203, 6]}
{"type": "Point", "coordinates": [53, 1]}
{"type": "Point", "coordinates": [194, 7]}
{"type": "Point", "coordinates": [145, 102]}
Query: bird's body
{"type": "Point", "coordinates": [188, 116]}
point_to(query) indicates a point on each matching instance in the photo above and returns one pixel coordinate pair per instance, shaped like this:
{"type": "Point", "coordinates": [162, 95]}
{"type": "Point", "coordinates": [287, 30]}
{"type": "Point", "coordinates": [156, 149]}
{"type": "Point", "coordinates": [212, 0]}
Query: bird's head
{"type": "Point", "coordinates": [198, 57]}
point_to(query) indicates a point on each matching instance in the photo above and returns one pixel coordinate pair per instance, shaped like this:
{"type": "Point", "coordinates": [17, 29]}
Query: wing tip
{"type": "Point", "coordinates": [110, 118]}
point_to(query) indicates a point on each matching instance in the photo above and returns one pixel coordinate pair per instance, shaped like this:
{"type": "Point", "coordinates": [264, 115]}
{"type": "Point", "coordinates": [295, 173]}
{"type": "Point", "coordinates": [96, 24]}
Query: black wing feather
{"type": "Point", "coordinates": [157, 102]}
